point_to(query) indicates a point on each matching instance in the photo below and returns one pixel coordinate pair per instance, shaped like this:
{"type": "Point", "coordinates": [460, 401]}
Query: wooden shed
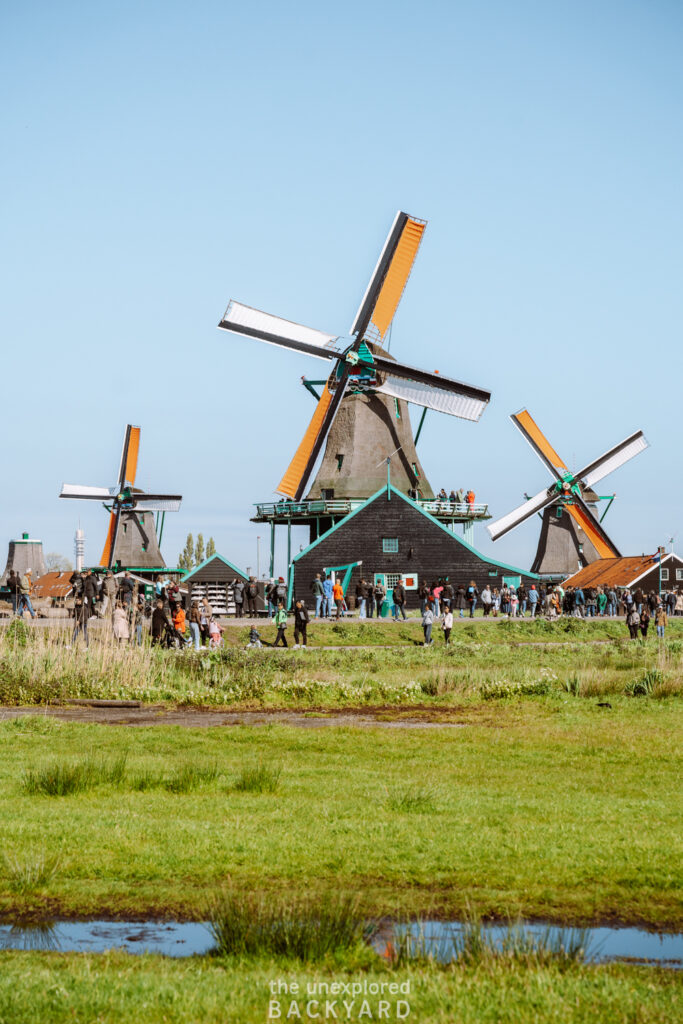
{"type": "Point", "coordinates": [213, 579]}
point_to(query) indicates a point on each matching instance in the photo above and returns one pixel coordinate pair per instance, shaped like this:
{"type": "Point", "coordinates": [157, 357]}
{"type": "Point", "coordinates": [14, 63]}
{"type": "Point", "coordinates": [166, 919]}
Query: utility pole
{"type": "Point", "coordinates": [258, 558]}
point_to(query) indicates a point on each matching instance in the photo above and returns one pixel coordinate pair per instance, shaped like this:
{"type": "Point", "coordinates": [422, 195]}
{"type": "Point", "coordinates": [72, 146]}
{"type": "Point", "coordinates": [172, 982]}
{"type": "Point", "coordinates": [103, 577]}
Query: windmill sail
{"type": "Point", "coordinates": [390, 276]}
{"type": "Point", "coordinates": [129, 457]}
{"type": "Point", "coordinates": [614, 458]}
{"type": "Point", "coordinates": [274, 330]}
{"type": "Point", "coordinates": [540, 443]}
{"type": "Point", "coordinates": [437, 398]}
{"type": "Point", "coordinates": [583, 517]}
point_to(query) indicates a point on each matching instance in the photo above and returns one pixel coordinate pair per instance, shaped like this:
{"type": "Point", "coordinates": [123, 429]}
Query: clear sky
{"type": "Point", "coordinates": [162, 158]}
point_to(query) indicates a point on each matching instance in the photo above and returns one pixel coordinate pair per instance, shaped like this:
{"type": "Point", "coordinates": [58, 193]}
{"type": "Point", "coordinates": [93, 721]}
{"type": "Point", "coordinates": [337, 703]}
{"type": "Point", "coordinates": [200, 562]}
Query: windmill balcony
{"type": "Point", "coordinates": [303, 512]}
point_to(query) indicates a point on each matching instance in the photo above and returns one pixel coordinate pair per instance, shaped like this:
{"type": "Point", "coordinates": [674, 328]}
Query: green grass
{"type": "Point", "coordinates": [260, 778]}
{"type": "Point", "coordinates": [59, 778]}
{"type": "Point", "coordinates": [547, 807]}
{"type": "Point", "coordinates": [116, 988]}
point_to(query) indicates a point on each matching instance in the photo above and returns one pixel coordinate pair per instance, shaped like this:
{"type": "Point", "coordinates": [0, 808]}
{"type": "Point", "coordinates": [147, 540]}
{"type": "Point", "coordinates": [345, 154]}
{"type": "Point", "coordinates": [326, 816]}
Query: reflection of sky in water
{"type": "Point", "coordinates": [434, 938]}
{"type": "Point", "coordinates": [170, 938]}
{"type": "Point", "coordinates": [440, 939]}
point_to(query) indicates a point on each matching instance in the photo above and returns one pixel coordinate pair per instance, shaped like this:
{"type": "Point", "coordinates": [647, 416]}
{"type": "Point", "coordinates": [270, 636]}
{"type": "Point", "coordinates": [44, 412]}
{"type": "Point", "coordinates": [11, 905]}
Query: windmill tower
{"type": "Point", "coordinates": [362, 413]}
{"type": "Point", "coordinates": [571, 534]}
{"type": "Point", "coordinates": [131, 538]}
{"type": "Point", "coordinates": [25, 553]}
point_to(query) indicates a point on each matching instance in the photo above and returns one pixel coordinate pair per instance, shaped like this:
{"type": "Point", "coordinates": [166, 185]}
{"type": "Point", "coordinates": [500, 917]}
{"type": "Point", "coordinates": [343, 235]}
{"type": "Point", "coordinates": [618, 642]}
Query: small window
{"type": "Point", "coordinates": [558, 511]}
{"type": "Point", "coordinates": [392, 579]}
{"type": "Point", "coordinates": [416, 471]}
{"type": "Point", "coordinates": [327, 493]}
{"type": "Point", "coordinates": [665, 574]}
{"type": "Point", "coordinates": [679, 575]}
{"type": "Point", "coordinates": [389, 545]}
{"type": "Point", "coordinates": [340, 462]}
{"type": "Point", "coordinates": [493, 572]}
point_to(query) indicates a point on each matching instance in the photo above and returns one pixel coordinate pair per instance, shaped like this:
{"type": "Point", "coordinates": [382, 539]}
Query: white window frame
{"type": "Point", "coordinates": [393, 578]}
{"type": "Point", "coordinates": [665, 575]}
{"type": "Point", "coordinates": [679, 575]}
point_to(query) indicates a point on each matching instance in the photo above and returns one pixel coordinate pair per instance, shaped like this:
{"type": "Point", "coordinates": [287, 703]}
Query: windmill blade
{"type": "Point", "coordinates": [108, 550]}
{"type": "Point", "coordinates": [525, 511]}
{"type": "Point", "coordinates": [540, 444]}
{"type": "Point", "coordinates": [390, 276]}
{"type": "Point", "coordinates": [275, 330]}
{"type": "Point", "coordinates": [129, 456]}
{"type": "Point", "coordinates": [473, 400]}
{"type": "Point", "coordinates": [294, 481]}
{"type": "Point", "coordinates": [157, 502]}
{"type": "Point", "coordinates": [615, 457]}
{"type": "Point", "coordinates": [582, 515]}
{"type": "Point", "coordinates": [88, 493]}
{"type": "Point", "coordinates": [464, 406]}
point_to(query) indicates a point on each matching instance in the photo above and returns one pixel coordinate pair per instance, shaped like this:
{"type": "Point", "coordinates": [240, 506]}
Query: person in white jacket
{"type": "Point", "coordinates": [447, 625]}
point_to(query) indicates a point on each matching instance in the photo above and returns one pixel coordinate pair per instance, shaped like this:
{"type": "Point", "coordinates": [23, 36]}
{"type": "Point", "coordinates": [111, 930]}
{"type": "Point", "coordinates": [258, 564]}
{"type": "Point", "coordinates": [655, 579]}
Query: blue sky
{"type": "Point", "coordinates": [161, 158]}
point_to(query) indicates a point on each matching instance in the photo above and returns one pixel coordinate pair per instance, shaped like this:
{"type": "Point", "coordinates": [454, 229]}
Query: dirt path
{"type": "Point", "coordinates": [151, 714]}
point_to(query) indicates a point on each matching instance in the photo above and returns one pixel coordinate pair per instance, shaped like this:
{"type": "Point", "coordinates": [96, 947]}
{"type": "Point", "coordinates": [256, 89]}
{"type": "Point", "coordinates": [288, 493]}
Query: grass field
{"type": "Point", "coordinates": [559, 798]}
{"type": "Point", "coordinates": [116, 988]}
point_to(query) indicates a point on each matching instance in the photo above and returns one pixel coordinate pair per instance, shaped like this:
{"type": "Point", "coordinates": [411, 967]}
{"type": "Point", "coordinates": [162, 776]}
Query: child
{"type": "Point", "coordinates": [514, 602]}
{"type": "Point", "coordinates": [427, 623]}
{"type": "Point", "coordinates": [447, 624]}
{"type": "Point", "coordinates": [179, 623]}
{"type": "Point", "coordinates": [280, 621]}
{"type": "Point", "coordinates": [254, 638]}
{"type": "Point", "coordinates": [215, 633]}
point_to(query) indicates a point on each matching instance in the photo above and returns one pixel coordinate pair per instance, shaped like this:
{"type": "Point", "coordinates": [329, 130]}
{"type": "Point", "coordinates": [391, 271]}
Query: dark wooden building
{"type": "Point", "coordinates": [213, 579]}
{"type": "Point", "coordinates": [396, 539]}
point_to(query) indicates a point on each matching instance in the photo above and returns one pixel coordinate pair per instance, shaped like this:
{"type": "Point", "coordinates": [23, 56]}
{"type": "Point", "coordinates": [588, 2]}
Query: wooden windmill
{"type": "Point", "coordinates": [362, 415]}
{"type": "Point", "coordinates": [131, 537]}
{"type": "Point", "coordinates": [571, 535]}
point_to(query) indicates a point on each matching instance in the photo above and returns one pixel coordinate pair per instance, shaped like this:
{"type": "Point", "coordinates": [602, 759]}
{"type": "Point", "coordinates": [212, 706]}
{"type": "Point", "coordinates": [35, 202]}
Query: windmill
{"type": "Point", "coordinates": [131, 537]}
{"type": "Point", "coordinates": [362, 413]}
{"type": "Point", "coordinates": [571, 532]}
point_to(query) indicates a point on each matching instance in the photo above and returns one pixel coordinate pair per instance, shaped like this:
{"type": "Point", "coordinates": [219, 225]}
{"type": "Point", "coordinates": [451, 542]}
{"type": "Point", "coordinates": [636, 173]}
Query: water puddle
{"type": "Point", "coordinates": [439, 939]}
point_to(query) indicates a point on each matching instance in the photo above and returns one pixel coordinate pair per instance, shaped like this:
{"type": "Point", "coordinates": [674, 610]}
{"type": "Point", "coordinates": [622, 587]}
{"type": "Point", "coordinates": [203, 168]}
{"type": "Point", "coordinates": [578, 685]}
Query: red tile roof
{"type": "Point", "coordinates": [53, 584]}
{"type": "Point", "coordinates": [612, 572]}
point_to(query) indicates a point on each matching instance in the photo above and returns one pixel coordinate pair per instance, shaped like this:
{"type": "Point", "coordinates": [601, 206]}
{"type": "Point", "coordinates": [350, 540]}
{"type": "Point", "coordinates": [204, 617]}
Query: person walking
{"type": "Point", "coordinates": [661, 621]}
{"type": "Point", "coordinates": [522, 597]}
{"type": "Point", "coordinates": [160, 620]}
{"type": "Point", "coordinates": [644, 621]}
{"type": "Point", "coordinates": [447, 624]}
{"type": "Point", "coordinates": [399, 597]}
{"type": "Point", "coordinates": [301, 620]}
{"type": "Point", "coordinates": [427, 623]}
{"type": "Point", "coordinates": [338, 597]}
{"type": "Point", "coordinates": [25, 595]}
{"type": "Point", "coordinates": [80, 620]}
{"type": "Point", "coordinates": [423, 596]}
{"type": "Point", "coordinates": [318, 594]}
{"type": "Point", "coordinates": [360, 598]}
{"type": "Point", "coordinates": [281, 624]}
{"type": "Point", "coordinates": [195, 625]}
{"type": "Point", "coordinates": [633, 621]}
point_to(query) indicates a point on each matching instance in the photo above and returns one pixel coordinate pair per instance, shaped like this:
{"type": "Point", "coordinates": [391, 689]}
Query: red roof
{"type": "Point", "coordinates": [612, 572]}
{"type": "Point", "coordinates": [53, 584]}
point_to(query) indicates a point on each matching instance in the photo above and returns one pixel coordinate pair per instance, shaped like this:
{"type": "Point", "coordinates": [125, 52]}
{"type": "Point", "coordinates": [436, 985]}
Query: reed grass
{"type": "Point", "coordinates": [299, 929]}
{"type": "Point", "coordinates": [259, 778]}
{"type": "Point", "coordinates": [60, 778]}
{"type": "Point", "coordinates": [33, 869]}
{"type": "Point", "coordinates": [411, 800]}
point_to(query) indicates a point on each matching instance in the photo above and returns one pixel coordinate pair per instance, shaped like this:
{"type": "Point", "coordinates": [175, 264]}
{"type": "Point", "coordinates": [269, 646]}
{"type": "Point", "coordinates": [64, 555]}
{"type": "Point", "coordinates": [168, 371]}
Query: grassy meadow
{"type": "Point", "coordinates": [544, 783]}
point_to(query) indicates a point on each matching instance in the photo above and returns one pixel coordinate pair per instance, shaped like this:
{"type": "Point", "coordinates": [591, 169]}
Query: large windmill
{"type": "Point", "coordinates": [362, 416]}
{"type": "Point", "coordinates": [131, 537]}
{"type": "Point", "coordinates": [571, 534]}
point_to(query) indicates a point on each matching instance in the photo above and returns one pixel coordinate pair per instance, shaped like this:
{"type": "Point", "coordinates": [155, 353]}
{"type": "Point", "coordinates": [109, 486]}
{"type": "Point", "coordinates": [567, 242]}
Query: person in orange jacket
{"type": "Point", "coordinates": [338, 596]}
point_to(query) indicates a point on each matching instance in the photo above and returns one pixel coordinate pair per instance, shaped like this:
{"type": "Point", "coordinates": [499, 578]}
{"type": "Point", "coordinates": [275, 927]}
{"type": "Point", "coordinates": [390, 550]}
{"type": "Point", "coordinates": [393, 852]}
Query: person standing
{"type": "Point", "coordinates": [360, 599]}
{"type": "Point", "coordinates": [195, 625]}
{"type": "Point", "coordinates": [205, 614]}
{"type": "Point", "coordinates": [379, 597]}
{"type": "Point", "coordinates": [399, 597]}
{"type": "Point", "coordinates": [13, 587]}
{"type": "Point", "coordinates": [633, 621]}
{"type": "Point", "coordinates": [301, 620]}
{"type": "Point", "coordinates": [160, 620]}
{"type": "Point", "coordinates": [447, 624]}
{"type": "Point", "coordinates": [486, 600]}
{"type": "Point", "coordinates": [423, 596]}
{"type": "Point", "coordinates": [25, 595]}
{"type": "Point", "coordinates": [121, 628]}
{"type": "Point", "coordinates": [461, 601]}
{"type": "Point", "coordinates": [370, 598]}
{"type": "Point", "coordinates": [472, 595]}
{"type": "Point", "coordinates": [238, 597]}
{"type": "Point", "coordinates": [318, 594]}
{"type": "Point", "coordinates": [437, 591]}
{"type": "Point", "coordinates": [80, 619]}
{"type": "Point", "coordinates": [661, 621]}
{"type": "Point", "coordinates": [427, 623]}
{"type": "Point", "coordinates": [514, 603]}
{"type": "Point", "coordinates": [252, 594]}
{"type": "Point", "coordinates": [329, 597]}
{"type": "Point", "coordinates": [126, 589]}
{"type": "Point", "coordinates": [281, 624]}
{"type": "Point", "coordinates": [644, 621]}
{"type": "Point", "coordinates": [533, 600]}
{"type": "Point", "coordinates": [338, 597]}
{"type": "Point", "coordinates": [522, 597]}
{"type": "Point", "coordinates": [601, 602]}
